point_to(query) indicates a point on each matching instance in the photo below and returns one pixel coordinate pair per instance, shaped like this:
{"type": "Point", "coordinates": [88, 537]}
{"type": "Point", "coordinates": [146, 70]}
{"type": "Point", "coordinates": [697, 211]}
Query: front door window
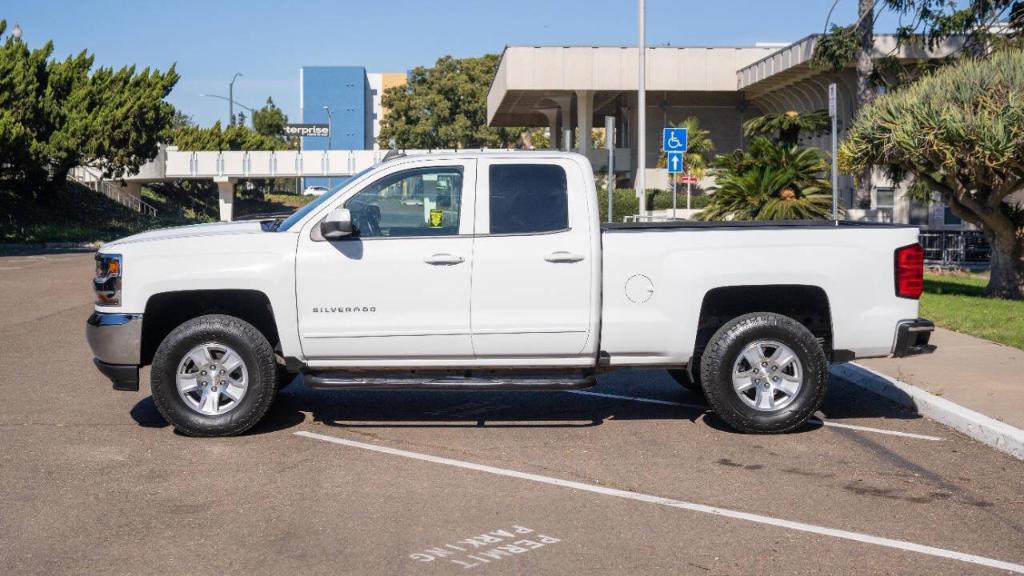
{"type": "Point", "coordinates": [417, 202]}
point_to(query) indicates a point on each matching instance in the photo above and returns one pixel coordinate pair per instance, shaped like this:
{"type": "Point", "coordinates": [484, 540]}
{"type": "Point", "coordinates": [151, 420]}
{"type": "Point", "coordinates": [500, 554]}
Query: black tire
{"type": "Point", "coordinates": [723, 351]}
{"type": "Point", "coordinates": [686, 379]}
{"type": "Point", "coordinates": [250, 345]}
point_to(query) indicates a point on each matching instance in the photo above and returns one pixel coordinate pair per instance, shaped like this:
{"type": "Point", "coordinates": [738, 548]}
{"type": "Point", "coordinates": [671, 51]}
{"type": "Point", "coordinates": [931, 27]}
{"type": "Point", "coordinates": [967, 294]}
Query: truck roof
{"type": "Point", "coordinates": [448, 155]}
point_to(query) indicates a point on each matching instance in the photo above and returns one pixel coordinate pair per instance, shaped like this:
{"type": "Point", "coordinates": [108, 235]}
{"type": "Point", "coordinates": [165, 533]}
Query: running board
{"type": "Point", "coordinates": [448, 382]}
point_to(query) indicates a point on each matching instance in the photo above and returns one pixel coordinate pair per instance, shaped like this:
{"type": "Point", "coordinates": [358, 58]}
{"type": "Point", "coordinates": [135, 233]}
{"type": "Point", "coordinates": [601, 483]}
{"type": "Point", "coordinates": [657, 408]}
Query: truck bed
{"type": "Point", "coordinates": [745, 224]}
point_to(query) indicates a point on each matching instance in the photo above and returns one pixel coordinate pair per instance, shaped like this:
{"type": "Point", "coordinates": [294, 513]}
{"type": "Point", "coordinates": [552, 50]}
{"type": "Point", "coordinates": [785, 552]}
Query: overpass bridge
{"type": "Point", "coordinates": [226, 168]}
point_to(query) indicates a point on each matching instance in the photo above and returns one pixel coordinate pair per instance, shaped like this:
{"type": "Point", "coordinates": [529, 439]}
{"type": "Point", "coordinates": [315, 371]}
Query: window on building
{"type": "Point", "coordinates": [528, 198]}
{"type": "Point", "coordinates": [420, 202]}
{"type": "Point", "coordinates": [884, 198]}
{"type": "Point", "coordinates": [918, 213]}
{"type": "Point", "coordinates": [950, 219]}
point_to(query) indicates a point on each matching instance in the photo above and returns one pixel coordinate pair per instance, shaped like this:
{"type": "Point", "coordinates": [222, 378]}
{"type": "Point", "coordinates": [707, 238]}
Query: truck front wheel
{"type": "Point", "coordinates": [764, 373]}
{"type": "Point", "coordinates": [214, 375]}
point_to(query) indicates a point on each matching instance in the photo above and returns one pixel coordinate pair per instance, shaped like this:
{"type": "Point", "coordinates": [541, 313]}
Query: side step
{"type": "Point", "coordinates": [449, 381]}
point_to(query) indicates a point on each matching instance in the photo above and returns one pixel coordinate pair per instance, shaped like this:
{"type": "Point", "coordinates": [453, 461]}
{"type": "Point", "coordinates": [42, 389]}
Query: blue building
{"type": "Point", "coordinates": [346, 91]}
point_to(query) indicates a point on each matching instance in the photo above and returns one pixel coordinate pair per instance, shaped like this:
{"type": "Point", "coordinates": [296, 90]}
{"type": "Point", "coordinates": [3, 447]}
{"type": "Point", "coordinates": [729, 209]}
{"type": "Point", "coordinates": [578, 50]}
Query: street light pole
{"type": "Point", "coordinates": [231, 99]}
{"type": "Point", "coordinates": [330, 128]}
{"type": "Point", "coordinates": [833, 111]}
{"type": "Point", "coordinates": [240, 105]}
{"type": "Point", "coordinates": [641, 116]}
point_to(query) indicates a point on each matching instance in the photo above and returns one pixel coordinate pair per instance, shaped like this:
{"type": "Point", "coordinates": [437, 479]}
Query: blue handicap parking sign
{"type": "Point", "coordinates": [675, 163]}
{"type": "Point", "coordinates": [673, 139]}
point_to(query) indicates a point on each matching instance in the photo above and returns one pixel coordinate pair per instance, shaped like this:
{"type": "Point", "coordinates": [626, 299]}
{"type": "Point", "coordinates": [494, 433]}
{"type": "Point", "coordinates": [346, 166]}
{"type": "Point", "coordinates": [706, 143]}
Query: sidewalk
{"type": "Point", "coordinates": [964, 372]}
{"type": "Point", "coordinates": [974, 373]}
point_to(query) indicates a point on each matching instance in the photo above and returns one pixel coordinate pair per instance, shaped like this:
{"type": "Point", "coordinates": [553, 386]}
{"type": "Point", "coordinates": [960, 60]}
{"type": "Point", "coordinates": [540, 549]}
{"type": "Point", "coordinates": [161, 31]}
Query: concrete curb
{"type": "Point", "coordinates": [996, 434]}
{"type": "Point", "coordinates": [15, 249]}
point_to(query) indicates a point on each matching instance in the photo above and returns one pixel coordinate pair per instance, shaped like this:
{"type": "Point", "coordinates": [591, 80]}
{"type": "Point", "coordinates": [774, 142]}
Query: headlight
{"type": "Point", "coordinates": [107, 283]}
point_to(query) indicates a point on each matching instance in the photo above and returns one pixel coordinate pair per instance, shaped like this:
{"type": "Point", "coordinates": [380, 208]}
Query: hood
{"type": "Point", "coordinates": [192, 231]}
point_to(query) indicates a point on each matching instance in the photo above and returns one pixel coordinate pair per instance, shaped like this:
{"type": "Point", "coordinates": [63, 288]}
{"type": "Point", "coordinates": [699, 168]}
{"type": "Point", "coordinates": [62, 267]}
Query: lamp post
{"type": "Point", "coordinates": [16, 32]}
{"type": "Point", "coordinates": [231, 98]}
{"type": "Point", "coordinates": [240, 105]}
{"type": "Point", "coordinates": [641, 116]}
{"type": "Point", "coordinates": [330, 128]}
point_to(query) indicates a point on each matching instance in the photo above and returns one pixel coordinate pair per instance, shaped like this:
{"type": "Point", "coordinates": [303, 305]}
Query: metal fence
{"type": "Point", "coordinates": [955, 248]}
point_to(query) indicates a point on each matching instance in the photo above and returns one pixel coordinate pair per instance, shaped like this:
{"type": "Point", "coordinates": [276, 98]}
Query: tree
{"type": "Point", "coordinates": [269, 120]}
{"type": "Point", "coordinates": [444, 107]}
{"type": "Point", "coordinates": [698, 148]}
{"type": "Point", "coordinates": [56, 115]}
{"type": "Point", "coordinates": [770, 181]}
{"type": "Point", "coordinates": [922, 22]}
{"type": "Point", "coordinates": [786, 128]}
{"type": "Point", "coordinates": [237, 137]}
{"type": "Point", "coordinates": [959, 132]}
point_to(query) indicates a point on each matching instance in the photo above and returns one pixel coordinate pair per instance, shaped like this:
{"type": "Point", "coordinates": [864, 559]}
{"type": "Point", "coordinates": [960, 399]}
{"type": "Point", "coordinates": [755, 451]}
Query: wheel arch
{"type": "Point", "coordinates": [807, 304]}
{"type": "Point", "coordinates": [165, 311]}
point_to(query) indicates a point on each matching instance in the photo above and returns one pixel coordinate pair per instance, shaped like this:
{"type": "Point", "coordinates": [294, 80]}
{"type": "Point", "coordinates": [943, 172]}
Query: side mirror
{"type": "Point", "coordinates": [337, 224]}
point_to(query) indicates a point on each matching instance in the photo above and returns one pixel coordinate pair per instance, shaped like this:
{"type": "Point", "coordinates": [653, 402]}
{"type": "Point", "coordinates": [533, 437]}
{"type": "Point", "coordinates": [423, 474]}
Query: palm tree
{"type": "Point", "coordinates": [786, 128]}
{"type": "Point", "coordinates": [770, 182]}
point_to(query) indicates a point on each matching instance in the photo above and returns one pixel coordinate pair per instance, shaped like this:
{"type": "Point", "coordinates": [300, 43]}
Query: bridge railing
{"type": "Point", "coordinates": [274, 164]}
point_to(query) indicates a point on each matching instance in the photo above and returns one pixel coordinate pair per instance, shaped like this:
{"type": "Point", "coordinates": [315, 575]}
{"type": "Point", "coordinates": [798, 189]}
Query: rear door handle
{"type": "Point", "coordinates": [563, 256]}
{"type": "Point", "coordinates": [444, 259]}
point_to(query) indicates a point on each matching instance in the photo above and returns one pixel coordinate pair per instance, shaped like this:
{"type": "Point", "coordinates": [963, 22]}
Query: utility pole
{"type": "Point", "coordinates": [833, 112]}
{"type": "Point", "coordinates": [233, 103]}
{"type": "Point", "coordinates": [330, 128]}
{"type": "Point", "coordinates": [609, 141]}
{"type": "Point", "coordinates": [641, 116]}
{"type": "Point", "coordinates": [231, 99]}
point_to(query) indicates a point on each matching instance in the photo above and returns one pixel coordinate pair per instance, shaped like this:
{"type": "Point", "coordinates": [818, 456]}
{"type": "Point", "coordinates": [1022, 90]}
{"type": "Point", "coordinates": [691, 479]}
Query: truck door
{"type": "Point", "coordinates": [535, 264]}
{"type": "Point", "coordinates": [398, 290]}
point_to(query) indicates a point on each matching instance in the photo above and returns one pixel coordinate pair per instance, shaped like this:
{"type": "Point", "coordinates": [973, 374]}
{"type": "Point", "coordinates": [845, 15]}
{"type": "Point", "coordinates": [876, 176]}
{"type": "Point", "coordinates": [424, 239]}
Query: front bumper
{"type": "Point", "coordinates": [912, 338]}
{"type": "Point", "coordinates": [116, 342]}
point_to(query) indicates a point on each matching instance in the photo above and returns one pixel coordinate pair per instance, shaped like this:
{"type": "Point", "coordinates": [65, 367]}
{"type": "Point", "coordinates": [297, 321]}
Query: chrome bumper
{"type": "Point", "coordinates": [116, 342]}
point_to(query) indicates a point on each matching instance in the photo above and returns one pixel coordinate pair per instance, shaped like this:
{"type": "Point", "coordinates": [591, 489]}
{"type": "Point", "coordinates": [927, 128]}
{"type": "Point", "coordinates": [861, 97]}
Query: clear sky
{"type": "Point", "coordinates": [267, 41]}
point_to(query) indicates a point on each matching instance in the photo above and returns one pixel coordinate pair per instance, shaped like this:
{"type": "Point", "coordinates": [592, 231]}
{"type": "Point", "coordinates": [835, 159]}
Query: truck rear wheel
{"type": "Point", "coordinates": [214, 375]}
{"type": "Point", "coordinates": [764, 373]}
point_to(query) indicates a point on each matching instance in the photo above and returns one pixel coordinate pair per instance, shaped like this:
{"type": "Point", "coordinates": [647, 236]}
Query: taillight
{"type": "Point", "coordinates": [910, 271]}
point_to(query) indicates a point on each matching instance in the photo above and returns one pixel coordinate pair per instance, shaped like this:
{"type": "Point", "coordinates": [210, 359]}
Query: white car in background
{"type": "Point", "coordinates": [315, 191]}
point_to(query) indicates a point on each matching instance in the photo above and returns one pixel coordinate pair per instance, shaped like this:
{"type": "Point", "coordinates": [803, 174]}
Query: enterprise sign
{"type": "Point", "coordinates": [307, 130]}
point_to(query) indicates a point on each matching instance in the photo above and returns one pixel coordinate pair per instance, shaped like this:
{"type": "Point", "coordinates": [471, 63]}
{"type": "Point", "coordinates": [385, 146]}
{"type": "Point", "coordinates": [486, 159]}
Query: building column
{"type": "Point", "coordinates": [584, 119]}
{"type": "Point", "coordinates": [552, 115]}
{"type": "Point", "coordinates": [565, 117]}
{"type": "Point", "coordinates": [226, 196]}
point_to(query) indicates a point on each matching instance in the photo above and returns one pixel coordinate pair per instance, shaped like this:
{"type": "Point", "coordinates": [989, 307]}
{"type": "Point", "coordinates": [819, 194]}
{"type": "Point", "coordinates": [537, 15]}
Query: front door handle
{"type": "Point", "coordinates": [444, 259]}
{"type": "Point", "coordinates": [563, 256]}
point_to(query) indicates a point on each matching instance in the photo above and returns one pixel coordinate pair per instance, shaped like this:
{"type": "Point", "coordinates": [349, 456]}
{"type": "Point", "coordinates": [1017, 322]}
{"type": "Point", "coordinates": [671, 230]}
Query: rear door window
{"type": "Point", "coordinates": [528, 199]}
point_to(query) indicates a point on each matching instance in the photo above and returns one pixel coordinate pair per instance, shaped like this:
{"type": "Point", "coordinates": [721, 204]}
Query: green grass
{"type": "Point", "coordinates": [955, 301]}
{"type": "Point", "coordinates": [74, 214]}
{"type": "Point", "coordinates": [247, 204]}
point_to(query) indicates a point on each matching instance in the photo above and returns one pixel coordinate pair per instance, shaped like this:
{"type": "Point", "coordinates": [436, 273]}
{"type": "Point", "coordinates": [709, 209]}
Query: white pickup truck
{"type": "Point", "coordinates": [492, 271]}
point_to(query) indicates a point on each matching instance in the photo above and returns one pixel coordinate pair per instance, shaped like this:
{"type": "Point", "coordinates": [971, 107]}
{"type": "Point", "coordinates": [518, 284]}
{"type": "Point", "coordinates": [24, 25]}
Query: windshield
{"type": "Point", "coordinates": [301, 212]}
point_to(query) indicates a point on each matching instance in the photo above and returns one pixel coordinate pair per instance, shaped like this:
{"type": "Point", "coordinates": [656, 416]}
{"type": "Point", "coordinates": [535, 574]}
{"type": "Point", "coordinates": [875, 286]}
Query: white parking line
{"type": "Point", "coordinates": [813, 420]}
{"type": "Point", "coordinates": [693, 507]}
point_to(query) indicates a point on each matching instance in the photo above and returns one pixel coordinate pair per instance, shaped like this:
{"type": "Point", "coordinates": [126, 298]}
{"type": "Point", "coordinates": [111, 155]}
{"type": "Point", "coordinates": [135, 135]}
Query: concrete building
{"type": "Point", "coordinates": [354, 99]}
{"type": "Point", "coordinates": [575, 87]}
{"type": "Point", "coordinates": [379, 82]}
{"type": "Point", "coordinates": [345, 90]}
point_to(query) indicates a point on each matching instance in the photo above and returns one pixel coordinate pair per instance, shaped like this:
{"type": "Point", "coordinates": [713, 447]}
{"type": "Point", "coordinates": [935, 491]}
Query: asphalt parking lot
{"type": "Point", "coordinates": [632, 476]}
